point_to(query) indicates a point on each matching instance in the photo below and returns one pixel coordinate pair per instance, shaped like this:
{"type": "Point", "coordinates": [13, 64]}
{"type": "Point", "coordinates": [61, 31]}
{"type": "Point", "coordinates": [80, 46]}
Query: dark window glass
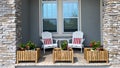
{"type": "Point", "coordinates": [50, 25]}
{"type": "Point", "coordinates": [70, 24]}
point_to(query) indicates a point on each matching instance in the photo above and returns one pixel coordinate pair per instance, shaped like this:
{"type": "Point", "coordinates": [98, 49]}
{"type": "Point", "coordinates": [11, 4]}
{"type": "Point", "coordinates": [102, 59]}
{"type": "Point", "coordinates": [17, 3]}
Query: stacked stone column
{"type": "Point", "coordinates": [111, 29]}
{"type": "Point", "coordinates": [10, 19]}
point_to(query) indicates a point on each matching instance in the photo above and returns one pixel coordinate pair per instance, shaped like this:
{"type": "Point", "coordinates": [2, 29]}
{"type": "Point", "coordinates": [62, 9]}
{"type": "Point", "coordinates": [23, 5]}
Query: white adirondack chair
{"type": "Point", "coordinates": [47, 41]}
{"type": "Point", "coordinates": [77, 40]}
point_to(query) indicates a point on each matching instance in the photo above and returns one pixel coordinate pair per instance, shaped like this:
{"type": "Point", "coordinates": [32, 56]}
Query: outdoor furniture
{"type": "Point", "coordinates": [62, 55]}
{"type": "Point", "coordinates": [96, 55]}
{"type": "Point", "coordinates": [28, 55]}
{"type": "Point", "coordinates": [77, 40]}
{"type": "Point", "coordinates": [47, 41]}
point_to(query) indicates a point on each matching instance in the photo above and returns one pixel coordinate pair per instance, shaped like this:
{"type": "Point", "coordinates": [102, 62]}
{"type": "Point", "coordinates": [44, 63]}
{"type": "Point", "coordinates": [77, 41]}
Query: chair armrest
{"type": "Point", "coordinates": [42, 41]}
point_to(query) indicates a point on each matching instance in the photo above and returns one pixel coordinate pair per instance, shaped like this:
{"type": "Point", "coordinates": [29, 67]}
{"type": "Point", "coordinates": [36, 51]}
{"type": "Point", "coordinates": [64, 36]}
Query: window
{"type": "Point", "coordinates": [70, 15]}
{"type": "Point", "coordinates": [49, 15]}
{"type": "Point", "coordinates": [60, 16]}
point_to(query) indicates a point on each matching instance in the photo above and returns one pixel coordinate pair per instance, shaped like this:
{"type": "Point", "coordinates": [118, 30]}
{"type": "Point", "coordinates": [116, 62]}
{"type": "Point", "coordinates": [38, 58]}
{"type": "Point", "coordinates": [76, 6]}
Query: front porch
{"type": "Point", "coordinates": [16, 15]}
{"type": "Point", "coordinates": [32, 28]}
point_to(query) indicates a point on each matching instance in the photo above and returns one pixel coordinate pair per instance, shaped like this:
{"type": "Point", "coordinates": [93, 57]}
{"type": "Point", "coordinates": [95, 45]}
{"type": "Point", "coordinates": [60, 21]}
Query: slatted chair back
{"type": "Point", "coordinates": [77, 36]}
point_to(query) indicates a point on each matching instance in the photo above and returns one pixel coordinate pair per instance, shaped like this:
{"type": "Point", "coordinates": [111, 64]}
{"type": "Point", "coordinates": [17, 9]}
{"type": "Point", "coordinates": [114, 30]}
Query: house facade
{"type": "Point", "coordinates": [11, 30]}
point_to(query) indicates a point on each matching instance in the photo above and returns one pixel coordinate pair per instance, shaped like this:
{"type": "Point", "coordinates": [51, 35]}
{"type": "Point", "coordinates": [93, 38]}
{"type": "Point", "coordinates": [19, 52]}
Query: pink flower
{"type": "Point", "coordinates": [91, 44]}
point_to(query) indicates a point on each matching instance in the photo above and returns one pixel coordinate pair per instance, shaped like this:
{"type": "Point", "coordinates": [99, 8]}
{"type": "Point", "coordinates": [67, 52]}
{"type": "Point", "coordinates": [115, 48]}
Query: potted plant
{"type": "Point", "coordinates": [30, 45]}
{"type": "Point", "coordinates": [30, 54]}
{"type": "Point", "coordinates": [95, 45]}
{"type": "Point", "coordinates": [22, 47]}
{"type": "Point", "coordinates": [64, 45]}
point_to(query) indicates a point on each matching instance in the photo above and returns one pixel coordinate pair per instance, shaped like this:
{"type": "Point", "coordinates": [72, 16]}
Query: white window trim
{"type": "Point", "coordinates": [60, 26]}
{"type": "Point", "coordinates": [79, 13]}
{"type": "Point", "coordinates": [101, 17]}
{"type": "Point", "coordinates": [79, 17]}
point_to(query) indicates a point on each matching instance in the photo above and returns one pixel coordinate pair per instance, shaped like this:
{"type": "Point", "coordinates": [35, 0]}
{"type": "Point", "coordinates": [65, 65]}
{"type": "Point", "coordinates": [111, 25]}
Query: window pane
{"type": "Point", "coordinates": [70, 15]}
{"type": "Point", "coordinates": [50, 25]}
{"type": "Point", "coordinates": [70, 9]}
{"type": "Point", "coordinates": [70, 24]}
{"type": "Point", "coordinates": [49, 15]}
{"type": "Point", "coordinates": [50, 10]}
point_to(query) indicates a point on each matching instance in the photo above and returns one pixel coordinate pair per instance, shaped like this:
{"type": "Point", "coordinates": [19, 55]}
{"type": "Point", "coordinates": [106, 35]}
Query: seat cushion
{"type": "Point", "coordinates": [47, 41]}
{"type": "Point", "coordinates": [76, 40]}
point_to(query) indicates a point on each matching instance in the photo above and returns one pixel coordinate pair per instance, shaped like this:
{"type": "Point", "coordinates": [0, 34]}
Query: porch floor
{"type": "Point", "coordinates": [47, 60]}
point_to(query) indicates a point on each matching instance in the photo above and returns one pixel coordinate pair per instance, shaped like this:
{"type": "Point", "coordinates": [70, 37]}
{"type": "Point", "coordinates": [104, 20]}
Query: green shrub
{"type": "Point", "coordinates": [95, 44]}
{"type": "Point", "coordinates": [28, 46]}
{"type": "Point", "coordinates": [64, 45]}
{"type": "Point", "coordinates": [31, 45]}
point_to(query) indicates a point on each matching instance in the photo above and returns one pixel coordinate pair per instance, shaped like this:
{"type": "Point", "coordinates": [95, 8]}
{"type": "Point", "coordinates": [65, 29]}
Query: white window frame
{"type": "Point", "coordinates": [60, 23]}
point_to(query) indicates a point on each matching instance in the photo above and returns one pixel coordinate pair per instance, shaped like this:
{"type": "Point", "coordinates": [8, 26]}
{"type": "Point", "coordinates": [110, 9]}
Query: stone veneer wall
{"type": "Point", "coordinates": [10, 29]}
{"type": "Point", "coordinates": [10, 20]}
{"type": "Point", "coordinates": [111, 29]}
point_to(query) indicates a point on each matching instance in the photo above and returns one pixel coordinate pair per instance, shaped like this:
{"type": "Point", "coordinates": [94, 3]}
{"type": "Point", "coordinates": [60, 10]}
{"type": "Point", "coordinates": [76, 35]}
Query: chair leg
{"type": "Point", "coordinates": [81, 50]}
{"type": "Point", "coordinates": [44, 50]}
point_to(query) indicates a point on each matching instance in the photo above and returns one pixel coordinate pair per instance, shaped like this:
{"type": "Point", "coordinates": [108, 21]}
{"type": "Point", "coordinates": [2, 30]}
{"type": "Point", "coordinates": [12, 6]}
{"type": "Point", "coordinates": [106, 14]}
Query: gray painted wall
{"type": "Point", "coordinates": [34, 21]}
{"type": "Point", "coordinates": [30, 21]}
{"type": "Point", "coordinates": [90, 20]}
{"type": "Point", "coordinates": [25, 21]}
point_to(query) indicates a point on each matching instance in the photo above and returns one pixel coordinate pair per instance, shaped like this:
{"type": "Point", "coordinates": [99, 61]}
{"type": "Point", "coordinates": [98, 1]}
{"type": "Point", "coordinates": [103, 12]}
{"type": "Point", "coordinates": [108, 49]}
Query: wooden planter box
{"type": "Point", "coordinates": [96, 55]}
{"type": "Point", "coordinates": [62, 55]}
{"type": "Point", "coordinates": [28, 55]}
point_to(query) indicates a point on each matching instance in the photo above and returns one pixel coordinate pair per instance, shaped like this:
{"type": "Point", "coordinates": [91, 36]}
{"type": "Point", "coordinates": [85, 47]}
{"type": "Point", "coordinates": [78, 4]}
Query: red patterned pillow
{"type": "Point", "coordinates": [47, 41]}
{"type": "Point", "coordinates": [76, 40]}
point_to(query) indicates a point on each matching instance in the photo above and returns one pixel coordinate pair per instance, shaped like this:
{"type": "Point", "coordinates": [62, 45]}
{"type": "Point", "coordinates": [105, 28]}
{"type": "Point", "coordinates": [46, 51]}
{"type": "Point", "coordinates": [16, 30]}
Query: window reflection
{"type": "Point", "coordinates": [70, 24]}
{"type": "Point", "coordinates": [70, 9]}
{"type": "Point", "coordinates": [49, 25]}
{"type": "Point", "coordinates": [49, 10]}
